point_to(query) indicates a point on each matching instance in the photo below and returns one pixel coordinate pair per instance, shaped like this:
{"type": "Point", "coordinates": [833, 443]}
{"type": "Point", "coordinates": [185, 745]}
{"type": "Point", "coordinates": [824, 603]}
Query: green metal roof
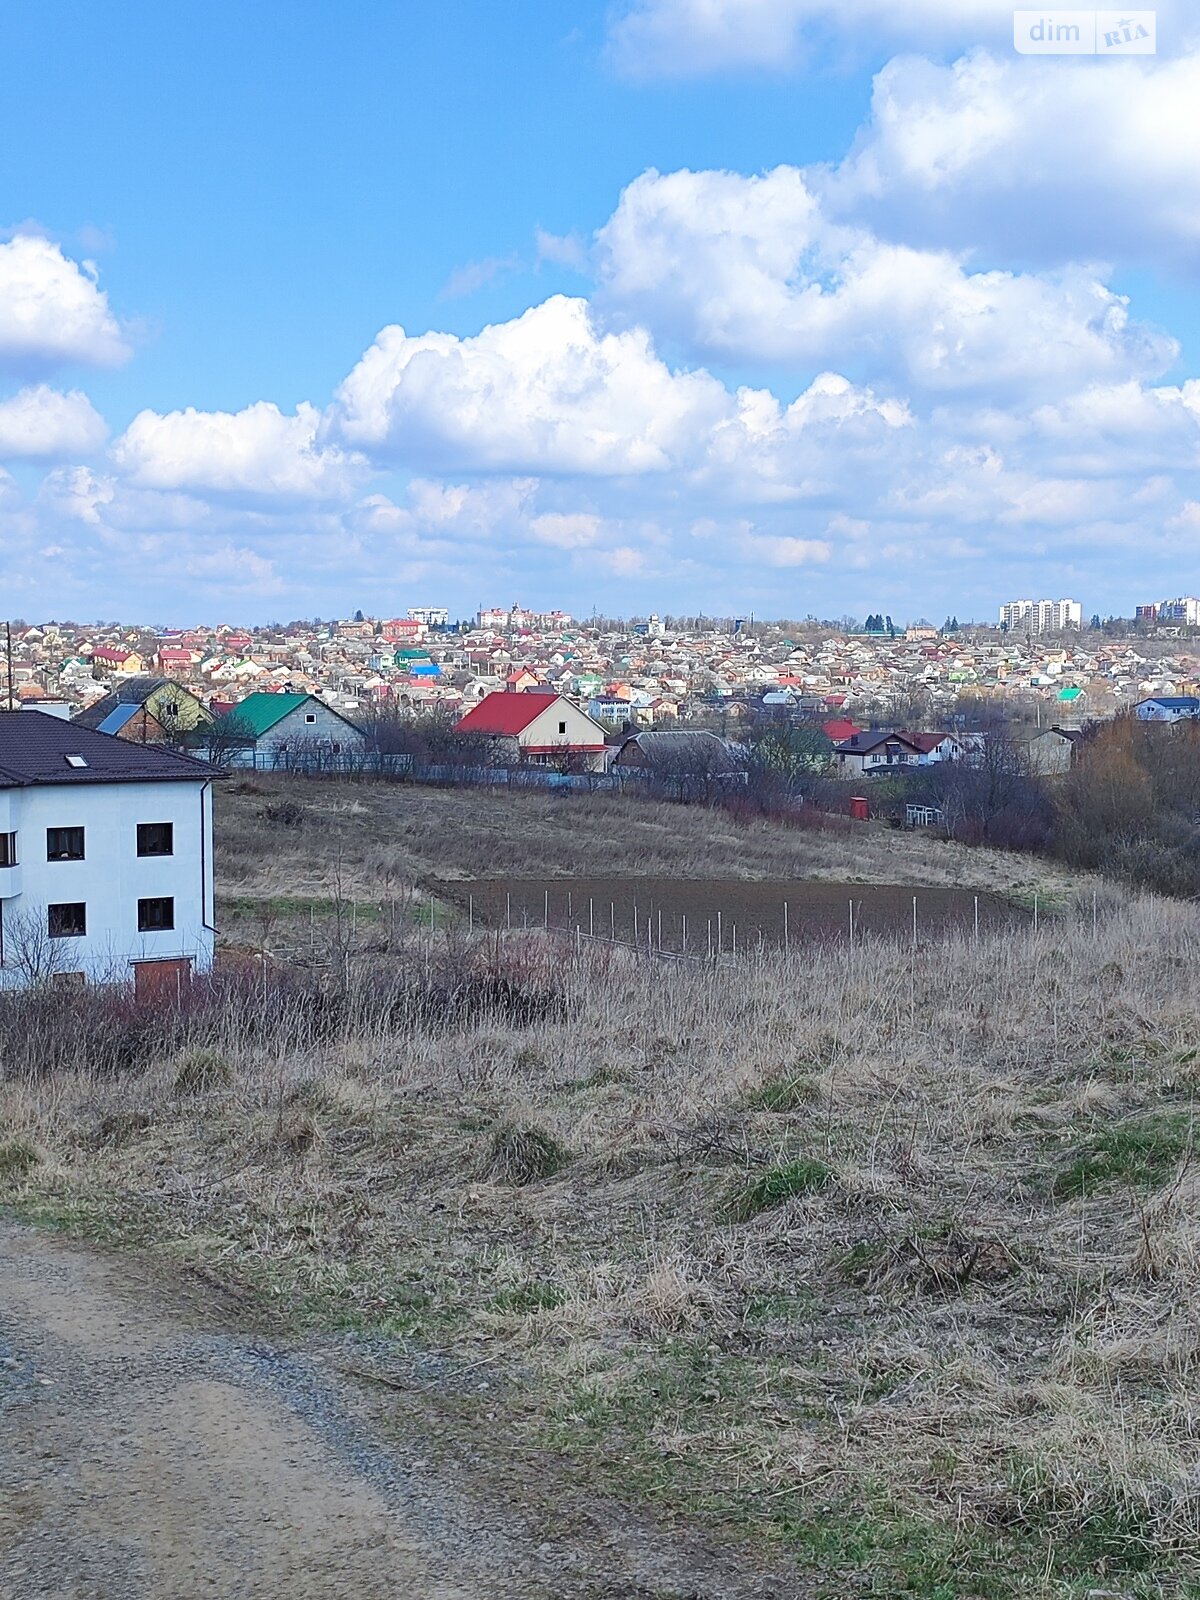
{"type": "Point", "coordinates": [1069, 694]}
{"type": "Point", "coordinates": [258, 713]}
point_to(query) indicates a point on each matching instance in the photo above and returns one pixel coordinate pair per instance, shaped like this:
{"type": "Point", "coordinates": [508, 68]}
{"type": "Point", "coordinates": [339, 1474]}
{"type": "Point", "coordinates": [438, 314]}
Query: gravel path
{"type": "Point", "coordinates": [149, 1453]}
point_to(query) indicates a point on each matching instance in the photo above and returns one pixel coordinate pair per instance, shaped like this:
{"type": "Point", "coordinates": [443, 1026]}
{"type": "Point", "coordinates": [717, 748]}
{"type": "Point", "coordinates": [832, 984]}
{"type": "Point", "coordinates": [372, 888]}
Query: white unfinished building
{"type": "Point", "coordinates": [106, 858]}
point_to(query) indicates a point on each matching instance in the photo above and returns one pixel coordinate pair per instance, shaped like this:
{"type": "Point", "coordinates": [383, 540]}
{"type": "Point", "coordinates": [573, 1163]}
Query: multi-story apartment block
{"type": "Point", "coordinates": [1040, 616]}
{"type": "Point", "coordinates": [106, 858]}
{"type": "Point", "coordinates": [1183, 612]}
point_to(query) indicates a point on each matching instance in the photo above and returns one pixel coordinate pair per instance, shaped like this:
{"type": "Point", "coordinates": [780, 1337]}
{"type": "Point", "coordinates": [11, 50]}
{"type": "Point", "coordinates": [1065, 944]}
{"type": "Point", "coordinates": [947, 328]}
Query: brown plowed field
{"type": "Point", "coordinates": [704, 909]}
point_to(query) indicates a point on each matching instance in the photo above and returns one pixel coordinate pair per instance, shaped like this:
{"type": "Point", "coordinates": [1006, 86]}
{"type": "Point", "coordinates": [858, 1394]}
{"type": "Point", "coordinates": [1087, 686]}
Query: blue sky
{"type": "Point", "coordinates": [785, 310]}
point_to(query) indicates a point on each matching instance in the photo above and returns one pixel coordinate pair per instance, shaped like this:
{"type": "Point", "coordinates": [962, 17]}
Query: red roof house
{"type": "Point", "coordinates": [402, 630]}
{"type": "Point", "coordinates": [173, 659]}
{"type": "Point", "coordinates": [543, 727]}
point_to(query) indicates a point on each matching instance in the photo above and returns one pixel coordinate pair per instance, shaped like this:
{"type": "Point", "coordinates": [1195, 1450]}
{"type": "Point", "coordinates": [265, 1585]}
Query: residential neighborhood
{"type": "Point", "coordinates": [152, 686]}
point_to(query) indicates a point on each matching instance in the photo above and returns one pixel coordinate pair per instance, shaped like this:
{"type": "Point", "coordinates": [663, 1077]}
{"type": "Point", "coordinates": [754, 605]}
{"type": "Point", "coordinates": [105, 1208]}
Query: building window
{"type": "Point", "coordinates": [64, 844]}
{"type": "Point", "coordinates": [310, 716]}
{"type": "Point", "coordinates": [67, 921]}
{"type": "Point", "coordinates": [8, 849]}
{"type": "Point", "coordinates": [156, 839]}
{"type": "Point", "coordinates": [562, 727]}
{"type": "Point", "coordinates": [155, 915]}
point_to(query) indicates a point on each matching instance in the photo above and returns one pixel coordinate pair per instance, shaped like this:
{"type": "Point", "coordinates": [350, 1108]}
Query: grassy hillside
{"type": "Point", "coordinates": [881, 1266]}
{"type": "Point", "coordinates": [281, 836]}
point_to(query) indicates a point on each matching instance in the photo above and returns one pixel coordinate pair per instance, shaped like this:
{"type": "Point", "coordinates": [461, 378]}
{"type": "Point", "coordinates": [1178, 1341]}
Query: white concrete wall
{"type": "Point", "coordinates": [544, 731]}
{"type": "Point", "coordinates": [112, 877]}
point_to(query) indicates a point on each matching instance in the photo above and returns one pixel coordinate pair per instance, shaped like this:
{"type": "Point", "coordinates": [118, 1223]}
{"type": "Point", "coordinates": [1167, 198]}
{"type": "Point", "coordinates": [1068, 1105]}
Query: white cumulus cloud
{"type": "Point", "coordinates": [1035, 158]}
{"type": "Point", "coordinates": [679, 38]}
{"type": "Point", "coordinates": [785, 550]}
{"type": "Point", "coordinates": [41, 422]}
{"type": "Point", "coordinates": [260, 453]}
{"type": "Point", "coordinates": [546, 392]}
{"type": "Point", "coordinates": [51, 310]}
{"type": "Point", "coordinates": [567, 530]}
{"type": "Point", "coordinates": [750, 268]}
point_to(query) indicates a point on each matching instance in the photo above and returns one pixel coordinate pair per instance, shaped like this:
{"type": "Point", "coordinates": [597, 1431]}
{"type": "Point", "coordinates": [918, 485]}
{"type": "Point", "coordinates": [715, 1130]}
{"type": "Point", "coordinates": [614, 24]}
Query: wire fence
{"type": "Point", "coordinates": [713, 939]}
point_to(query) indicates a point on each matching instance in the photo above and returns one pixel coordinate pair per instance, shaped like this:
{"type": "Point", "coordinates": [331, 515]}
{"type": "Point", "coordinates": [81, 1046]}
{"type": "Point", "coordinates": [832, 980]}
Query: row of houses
{"type": "Point", "coordinates": [640, 674]}
{"type": "Point", "coordinates": [877, 753]}
{"type": "Point", "coordinates": [534, 726]}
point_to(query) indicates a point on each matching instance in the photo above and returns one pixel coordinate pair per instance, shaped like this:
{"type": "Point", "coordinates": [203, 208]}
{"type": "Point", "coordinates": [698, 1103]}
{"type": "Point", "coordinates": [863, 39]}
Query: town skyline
{"type": "Point", "coordinates": [1013, 616]}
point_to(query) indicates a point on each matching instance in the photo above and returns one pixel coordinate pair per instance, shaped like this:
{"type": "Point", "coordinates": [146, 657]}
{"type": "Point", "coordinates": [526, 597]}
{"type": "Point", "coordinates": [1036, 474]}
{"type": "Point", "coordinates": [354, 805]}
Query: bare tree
{"type": "Point", "coordinates": [30, 951]}
{"type": "Point", "coordinates": [225, 739]}
{"type": "Point", "coordinates": [431, 738]}
{"type": "Point", "coordinates": [993, 797]}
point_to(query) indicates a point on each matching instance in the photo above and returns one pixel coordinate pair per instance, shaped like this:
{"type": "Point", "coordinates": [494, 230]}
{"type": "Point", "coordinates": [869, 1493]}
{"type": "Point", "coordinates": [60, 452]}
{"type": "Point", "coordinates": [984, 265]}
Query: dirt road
{"type": "Point", "coordinates": [148, 1452]}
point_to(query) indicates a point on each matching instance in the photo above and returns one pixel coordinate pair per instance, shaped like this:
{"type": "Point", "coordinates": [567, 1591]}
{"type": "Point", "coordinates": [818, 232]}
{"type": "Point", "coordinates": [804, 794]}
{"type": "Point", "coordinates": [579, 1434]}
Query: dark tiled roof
{"type": "Point", "coordinates": [34, 748]}
{"type": "Point", "coordinates": [861, 743]}
{"type": "Point", "coordinates": [135, 692]}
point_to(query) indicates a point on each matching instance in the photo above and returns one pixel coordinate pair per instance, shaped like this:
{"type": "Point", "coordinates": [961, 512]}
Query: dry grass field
{"type": "Point", "coordinates": [285, 837]}
{"type": "Point", "coordinates": [881, 1266]}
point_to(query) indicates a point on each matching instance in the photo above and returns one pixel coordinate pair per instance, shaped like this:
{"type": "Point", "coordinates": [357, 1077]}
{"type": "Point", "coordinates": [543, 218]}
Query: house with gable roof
{"type": "Point", "coordinates": [542, 729]}
{"type": "Point", "coordinates": [1167, 708]}
{"type": "Point", "coordinates": [275, 730]}
{"type": "Point", "coordinates": [146, 710]}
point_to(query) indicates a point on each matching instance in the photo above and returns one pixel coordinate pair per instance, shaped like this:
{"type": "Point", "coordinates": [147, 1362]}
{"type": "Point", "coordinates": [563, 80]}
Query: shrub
{"type": "Point", "coordinates": [521, 1153]}
{"type": "Point", "coordinates": [17, 1159]}
{"type": "Point", "coordinates": [284, 814]}
{"type": "Point", "coordinates": [777, 1184]}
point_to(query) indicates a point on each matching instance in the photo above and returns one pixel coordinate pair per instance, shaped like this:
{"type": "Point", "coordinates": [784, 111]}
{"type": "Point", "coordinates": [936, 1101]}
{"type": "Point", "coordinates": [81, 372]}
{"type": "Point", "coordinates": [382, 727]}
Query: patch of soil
{"type": "Point", "coordinates": [696, 916]}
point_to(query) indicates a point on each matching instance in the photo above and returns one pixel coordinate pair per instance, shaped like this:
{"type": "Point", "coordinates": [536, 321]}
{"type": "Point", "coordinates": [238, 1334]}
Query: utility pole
{"type": "Point", "coordinates": [8, 657]}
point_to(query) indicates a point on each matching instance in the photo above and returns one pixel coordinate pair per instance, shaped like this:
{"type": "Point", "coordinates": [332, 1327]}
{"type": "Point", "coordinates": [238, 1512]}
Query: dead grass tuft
{"type": "Point", "coordinates": [118, 1127]}
{"type": "Point", "coordinates": [521, 1153]}
{"type": "Point", "coordinates": [201, 1071]}
{"type": "Point", "coordinates": [18, 1158]}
